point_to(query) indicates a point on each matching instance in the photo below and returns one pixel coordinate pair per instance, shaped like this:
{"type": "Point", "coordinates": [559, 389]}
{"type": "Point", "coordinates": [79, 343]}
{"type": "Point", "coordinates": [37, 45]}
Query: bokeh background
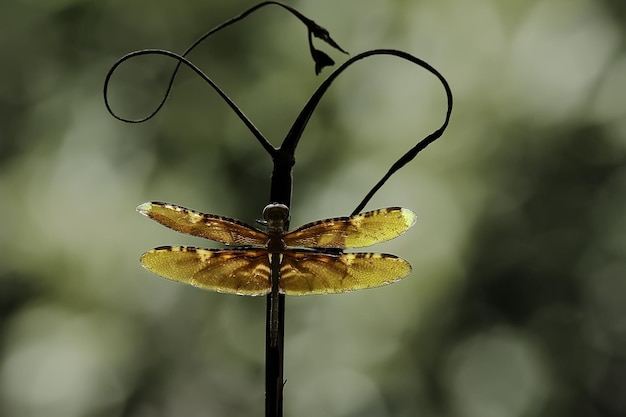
{"type": "Point", "coordinates": [517, 303]}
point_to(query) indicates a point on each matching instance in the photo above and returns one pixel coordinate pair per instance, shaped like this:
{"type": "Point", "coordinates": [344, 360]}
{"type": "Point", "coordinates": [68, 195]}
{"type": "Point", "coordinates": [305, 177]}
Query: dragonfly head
{"type": "Point", "coordinates": [276, 216]}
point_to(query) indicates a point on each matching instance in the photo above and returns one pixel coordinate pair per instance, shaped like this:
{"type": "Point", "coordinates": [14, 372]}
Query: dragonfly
{"type": "Point", "coordinates": [304, 261]}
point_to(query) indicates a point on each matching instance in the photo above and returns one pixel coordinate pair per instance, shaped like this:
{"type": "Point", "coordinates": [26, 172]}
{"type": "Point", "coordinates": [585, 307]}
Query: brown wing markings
{"type": "Point", "coordinates": [209, 226]}
{"type": "Point", "coordinates": [360, 230]}
{"type": "Point", "coordinates": [235, 271]}
{"type": "Point", "coordinates": [305, 272]}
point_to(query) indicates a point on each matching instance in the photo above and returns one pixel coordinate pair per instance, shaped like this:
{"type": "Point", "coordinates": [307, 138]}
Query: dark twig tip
{"type": "Point", "coordinates": [322, 60]}
{"type": "Point", "coordinates": [321, 33]}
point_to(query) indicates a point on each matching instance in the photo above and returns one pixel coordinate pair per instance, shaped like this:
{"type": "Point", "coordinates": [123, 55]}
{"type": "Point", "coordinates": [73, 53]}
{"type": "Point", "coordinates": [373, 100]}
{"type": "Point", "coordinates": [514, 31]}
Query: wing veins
{"type": "Point", "coordinates": [360, 230]}
{"type": "Point", "coordinates": [208, 226]}
{"type": "Point", "coordinates": [224, 270]}
{"type": "Point", "coordinates": [305, 272]}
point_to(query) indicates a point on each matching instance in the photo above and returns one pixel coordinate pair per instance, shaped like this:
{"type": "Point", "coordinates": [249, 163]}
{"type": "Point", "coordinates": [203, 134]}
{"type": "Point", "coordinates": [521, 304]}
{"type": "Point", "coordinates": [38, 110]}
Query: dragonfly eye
{"type": "Point", "coordinates": [276, 215]}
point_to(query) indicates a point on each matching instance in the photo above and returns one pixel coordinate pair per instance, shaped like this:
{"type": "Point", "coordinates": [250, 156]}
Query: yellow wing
{"type": "Point", "coordinates": [209, 226]}
{"type": "Point", "coordinates": [304, 272]}
{"type": "Point", "coordinates": [360, 230]}
{"type": "Point", "coordinates": [234, 271]}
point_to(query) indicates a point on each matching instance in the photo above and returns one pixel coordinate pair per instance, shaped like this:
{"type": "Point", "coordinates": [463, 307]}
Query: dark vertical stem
{"type": "Point", "coordinates": [280, 192]}
{"type": "Point", "coordinates": [274, 359]}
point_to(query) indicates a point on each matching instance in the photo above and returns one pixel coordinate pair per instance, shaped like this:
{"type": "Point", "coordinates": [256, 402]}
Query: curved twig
{"type": "Point", "coordinates": [182, 60]}
{"type": "Point", "coordinates": [291, 140]}
{"type": "Point", "coordinates": [321, 59]}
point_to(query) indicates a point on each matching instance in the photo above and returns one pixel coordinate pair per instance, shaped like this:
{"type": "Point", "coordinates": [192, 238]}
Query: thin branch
{"type": "Point", "coordinates": [295, 133]}
{"type": "Point", "coordinates": [182, 60]}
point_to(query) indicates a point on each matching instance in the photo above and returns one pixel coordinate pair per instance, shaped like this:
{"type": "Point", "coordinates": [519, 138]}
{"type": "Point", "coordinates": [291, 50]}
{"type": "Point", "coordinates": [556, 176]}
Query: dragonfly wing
{"type": "Point", "coordinates": [234, 271]}
{"type": "Point", "coordinates": [209, 226]}
{"type": "Point", "coordinates": [305, 272]}
{"type": "Point", "coordinates": [360, 230]}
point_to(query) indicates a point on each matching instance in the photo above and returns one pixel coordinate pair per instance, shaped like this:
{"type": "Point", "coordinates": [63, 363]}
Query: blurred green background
{"type": "Point", "coordinates": [517, 302]}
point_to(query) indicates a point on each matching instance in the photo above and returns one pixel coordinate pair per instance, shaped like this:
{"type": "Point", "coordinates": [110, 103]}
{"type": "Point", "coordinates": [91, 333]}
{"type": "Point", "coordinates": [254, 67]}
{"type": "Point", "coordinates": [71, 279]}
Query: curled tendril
{"type": "Point", "coordinates": [290, 143]}
{"type": "Point", "coordinates": [284, 156]}
{"type": "Point", "coordinates": [320, 58]}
